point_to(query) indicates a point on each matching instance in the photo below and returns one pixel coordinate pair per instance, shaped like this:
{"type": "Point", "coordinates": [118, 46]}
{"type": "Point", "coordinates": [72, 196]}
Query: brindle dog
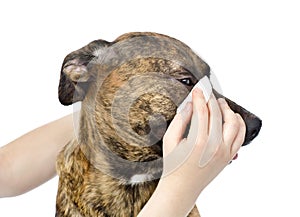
{"type": "Point", "coordinates": [129, 91]}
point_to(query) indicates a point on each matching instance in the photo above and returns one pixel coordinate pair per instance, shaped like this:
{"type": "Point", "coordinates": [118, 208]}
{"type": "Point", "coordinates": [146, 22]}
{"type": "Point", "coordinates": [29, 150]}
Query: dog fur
{"type": "Point", "coordinates": [101, 171]}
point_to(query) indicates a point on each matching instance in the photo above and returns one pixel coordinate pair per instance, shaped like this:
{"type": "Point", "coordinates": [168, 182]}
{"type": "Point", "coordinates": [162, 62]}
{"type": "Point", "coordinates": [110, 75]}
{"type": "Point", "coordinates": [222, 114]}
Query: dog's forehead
{"type": "Point", "coordinates": [150, 45]}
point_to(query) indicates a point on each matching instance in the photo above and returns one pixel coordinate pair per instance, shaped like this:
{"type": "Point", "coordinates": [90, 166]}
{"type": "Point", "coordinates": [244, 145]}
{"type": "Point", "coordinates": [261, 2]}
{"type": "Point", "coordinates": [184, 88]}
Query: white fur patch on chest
{"type": "Point", "coordinates": [140, 178]}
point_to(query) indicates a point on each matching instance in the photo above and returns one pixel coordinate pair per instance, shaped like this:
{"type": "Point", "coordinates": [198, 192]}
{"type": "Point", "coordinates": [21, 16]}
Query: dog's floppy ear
{"type": "Point", "coordinates": [74, 76]}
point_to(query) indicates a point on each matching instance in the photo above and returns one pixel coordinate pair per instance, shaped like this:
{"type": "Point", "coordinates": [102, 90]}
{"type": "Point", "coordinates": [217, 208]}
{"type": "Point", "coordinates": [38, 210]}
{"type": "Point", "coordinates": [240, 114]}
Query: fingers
{"type": "Point", "coordinates": [215, 121]}
{"type": "Point", "coordinates": [215, 135]}
{"type": "Point", "coordinates": [199, 124]}
{"type": "Point", "coordinates": [233, 128]}
{"type": "Point", "coordinates": [176, 129]}
{"type": "Point", "coordinates": [240, 136]}
{"type": "Point", "coordinates": [207, 129]}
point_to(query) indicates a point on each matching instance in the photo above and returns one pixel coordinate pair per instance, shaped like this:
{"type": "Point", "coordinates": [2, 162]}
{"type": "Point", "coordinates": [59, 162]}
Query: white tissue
{"type": "Point", "coordinates": [204, 85]}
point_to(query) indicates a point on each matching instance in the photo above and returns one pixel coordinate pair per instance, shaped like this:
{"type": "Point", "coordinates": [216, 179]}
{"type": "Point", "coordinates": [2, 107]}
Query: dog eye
{"type": "Point", "coordinates": [186, 81]}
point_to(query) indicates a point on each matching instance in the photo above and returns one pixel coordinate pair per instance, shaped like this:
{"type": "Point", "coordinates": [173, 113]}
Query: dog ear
{"type": "Point", "coordinates": [74, 75]}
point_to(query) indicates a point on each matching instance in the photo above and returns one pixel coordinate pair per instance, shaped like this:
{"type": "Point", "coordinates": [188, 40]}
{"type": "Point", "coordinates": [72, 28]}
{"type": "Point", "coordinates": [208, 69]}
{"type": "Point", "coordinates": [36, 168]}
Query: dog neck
{"type": "Point", "coordinates": [78, 174]}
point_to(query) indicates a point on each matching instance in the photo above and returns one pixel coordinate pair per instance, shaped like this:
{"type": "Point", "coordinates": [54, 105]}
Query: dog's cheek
{"type": "Point", "coordinates": [151, 114]}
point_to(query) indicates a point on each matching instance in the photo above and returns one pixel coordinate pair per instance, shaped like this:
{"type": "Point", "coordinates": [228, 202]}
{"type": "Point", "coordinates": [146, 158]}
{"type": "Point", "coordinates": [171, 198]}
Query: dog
{"type": "Point", "coordinates": [129, 90]}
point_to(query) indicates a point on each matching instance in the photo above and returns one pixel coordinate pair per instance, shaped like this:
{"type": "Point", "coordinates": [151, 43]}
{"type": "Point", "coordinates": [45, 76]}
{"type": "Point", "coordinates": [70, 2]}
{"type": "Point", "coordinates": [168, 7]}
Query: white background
{"type": "Point", "coordinates": [252, 46]}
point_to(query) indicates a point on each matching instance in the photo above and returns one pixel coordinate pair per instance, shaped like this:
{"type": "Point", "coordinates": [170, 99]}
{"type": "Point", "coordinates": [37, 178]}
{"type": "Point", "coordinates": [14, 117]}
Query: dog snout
{"type": "Point", "coordinates": [253, 123]}
{"type": "Point", "coordinates": [253, 126]}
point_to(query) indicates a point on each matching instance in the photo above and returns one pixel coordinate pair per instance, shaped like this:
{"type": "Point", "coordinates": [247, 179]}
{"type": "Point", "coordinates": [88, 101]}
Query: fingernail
{"type": "Point", "coordinates": [188, 107]}
{"type": "Point", "coordinates": [198, 92]}
{"type": "Point", "coordinates": [222, 101]}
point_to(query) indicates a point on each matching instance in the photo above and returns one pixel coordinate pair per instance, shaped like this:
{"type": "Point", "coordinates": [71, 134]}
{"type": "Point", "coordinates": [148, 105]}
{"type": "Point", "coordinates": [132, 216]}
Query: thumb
{"type": "Point", "coordinates": [176, 129]}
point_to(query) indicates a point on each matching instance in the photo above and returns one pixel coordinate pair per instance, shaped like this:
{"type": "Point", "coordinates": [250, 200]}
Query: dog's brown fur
{"type": "Point", "coordinates": [93, 178]}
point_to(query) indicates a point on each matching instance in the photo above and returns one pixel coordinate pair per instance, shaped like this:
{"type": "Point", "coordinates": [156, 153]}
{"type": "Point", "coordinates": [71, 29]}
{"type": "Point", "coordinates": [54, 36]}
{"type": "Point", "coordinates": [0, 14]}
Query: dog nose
{"type": "Point", "coordinates": [253, 127]}
{"type": "Point", "coordinates": [253, 123]}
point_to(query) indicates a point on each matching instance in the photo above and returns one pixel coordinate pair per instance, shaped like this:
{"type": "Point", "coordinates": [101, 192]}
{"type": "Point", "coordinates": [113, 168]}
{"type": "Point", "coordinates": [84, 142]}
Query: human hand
{"type": "Point", "coordinates": [188, 164]}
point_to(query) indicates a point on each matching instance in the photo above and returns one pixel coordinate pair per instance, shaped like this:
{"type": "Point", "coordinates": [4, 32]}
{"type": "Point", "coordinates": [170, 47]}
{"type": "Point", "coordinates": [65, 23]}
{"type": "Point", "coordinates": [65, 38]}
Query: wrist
{"type": "Point", "coordinates": [180, 190]}
{"type": "Point", "coordinates": [169, 199]}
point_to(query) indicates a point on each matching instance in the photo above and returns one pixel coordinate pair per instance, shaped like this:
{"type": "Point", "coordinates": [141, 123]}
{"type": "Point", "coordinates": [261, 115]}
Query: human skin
{"type": "Point", "coordinates": [177, 192]}
{"type": "Point", "coordinates": [29, 161]}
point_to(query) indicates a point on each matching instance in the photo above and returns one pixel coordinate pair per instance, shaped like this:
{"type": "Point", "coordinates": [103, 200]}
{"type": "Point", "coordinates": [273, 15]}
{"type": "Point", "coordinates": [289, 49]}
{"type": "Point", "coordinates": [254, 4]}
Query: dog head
{"type": "Point", "coordinates": [130, 89]}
